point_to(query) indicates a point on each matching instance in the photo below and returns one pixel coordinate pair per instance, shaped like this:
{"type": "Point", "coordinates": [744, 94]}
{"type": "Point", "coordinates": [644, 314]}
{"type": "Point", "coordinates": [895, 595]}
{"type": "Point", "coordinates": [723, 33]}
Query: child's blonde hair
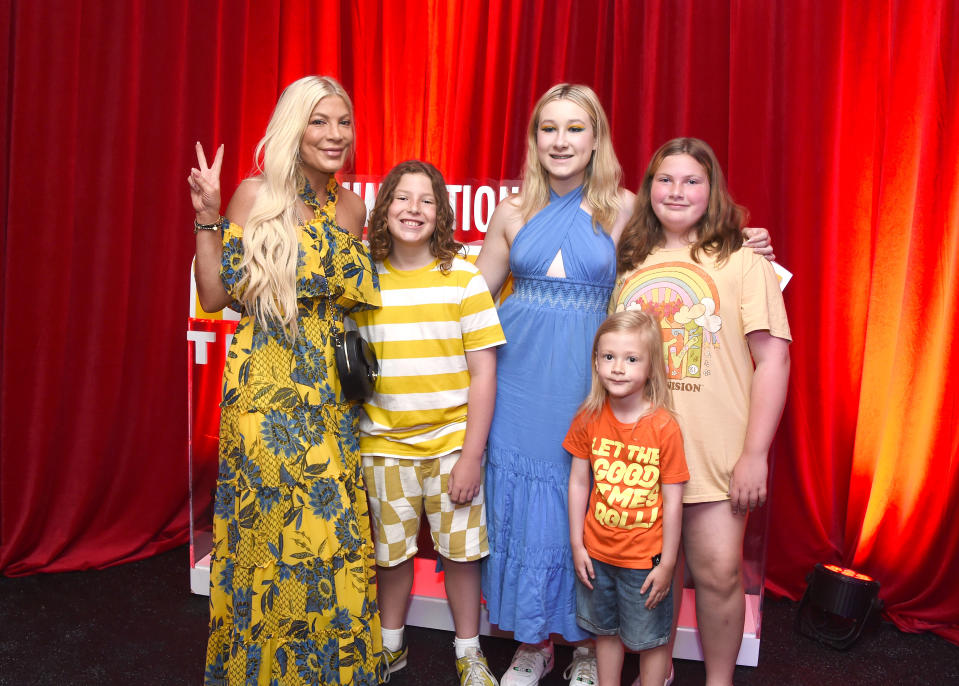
{"type": "Point", "coordinates": [647, 330]}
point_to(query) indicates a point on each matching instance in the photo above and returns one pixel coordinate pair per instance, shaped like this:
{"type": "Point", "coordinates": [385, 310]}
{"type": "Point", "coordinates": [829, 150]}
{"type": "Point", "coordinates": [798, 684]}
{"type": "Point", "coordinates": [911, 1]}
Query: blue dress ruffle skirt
{"type": "Point", "coordinates": [543, 375]}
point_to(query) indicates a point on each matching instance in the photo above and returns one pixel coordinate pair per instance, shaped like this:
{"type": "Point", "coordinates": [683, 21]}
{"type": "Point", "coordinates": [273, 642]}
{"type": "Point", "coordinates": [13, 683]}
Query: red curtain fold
{"type": "Point", "coordinates": [838, 125]}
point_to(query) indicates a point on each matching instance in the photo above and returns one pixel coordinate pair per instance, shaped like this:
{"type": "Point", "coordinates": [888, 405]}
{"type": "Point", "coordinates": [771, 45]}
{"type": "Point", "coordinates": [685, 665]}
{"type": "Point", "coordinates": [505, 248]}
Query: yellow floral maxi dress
{"type": "Point", "coordinates": [292, 594]}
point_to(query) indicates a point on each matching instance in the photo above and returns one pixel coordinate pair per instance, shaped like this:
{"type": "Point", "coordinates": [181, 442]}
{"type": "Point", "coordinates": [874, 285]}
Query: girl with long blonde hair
{"type": "Point", "coordinates": [558, 239]}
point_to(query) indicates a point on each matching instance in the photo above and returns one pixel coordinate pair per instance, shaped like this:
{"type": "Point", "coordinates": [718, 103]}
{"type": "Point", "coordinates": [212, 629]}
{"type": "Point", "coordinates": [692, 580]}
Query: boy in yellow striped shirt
{"type": "Point", "coordinates": [423, 432]}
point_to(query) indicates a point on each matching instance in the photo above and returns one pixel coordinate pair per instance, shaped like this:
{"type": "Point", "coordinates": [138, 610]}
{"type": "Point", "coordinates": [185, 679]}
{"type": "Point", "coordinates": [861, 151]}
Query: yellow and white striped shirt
{"type": "Point", "coordinates": [429, 320]}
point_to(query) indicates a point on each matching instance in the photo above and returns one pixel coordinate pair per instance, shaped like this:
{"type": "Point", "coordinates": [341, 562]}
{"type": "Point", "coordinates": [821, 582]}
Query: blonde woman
{"type": "Point", "coordinates": [558, 237]}
{"type": "Point", "coordinates": [290, 594]}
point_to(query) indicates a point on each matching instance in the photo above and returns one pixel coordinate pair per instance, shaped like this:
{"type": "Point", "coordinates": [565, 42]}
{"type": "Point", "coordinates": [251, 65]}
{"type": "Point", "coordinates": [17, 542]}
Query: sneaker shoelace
{"type": "Point", "coordinates": [582, 670]}
{"type": "Point", "coordinates": [525, 659]}
{"type": "Point", "coordinates": [478, 674]}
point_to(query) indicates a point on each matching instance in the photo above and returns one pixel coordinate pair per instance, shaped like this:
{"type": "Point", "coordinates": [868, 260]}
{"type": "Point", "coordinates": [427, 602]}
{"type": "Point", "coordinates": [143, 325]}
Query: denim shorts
{"type": "Point", "coordinates": [615, 606]}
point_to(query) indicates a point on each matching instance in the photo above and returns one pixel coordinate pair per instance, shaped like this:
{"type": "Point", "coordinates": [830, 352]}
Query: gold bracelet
{"type": "Point", "coordinates": [197, 226]}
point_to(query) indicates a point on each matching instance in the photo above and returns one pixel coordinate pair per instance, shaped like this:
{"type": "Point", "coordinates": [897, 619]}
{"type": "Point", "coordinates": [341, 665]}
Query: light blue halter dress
{"type": "Point", "coordinates": [542, 376]}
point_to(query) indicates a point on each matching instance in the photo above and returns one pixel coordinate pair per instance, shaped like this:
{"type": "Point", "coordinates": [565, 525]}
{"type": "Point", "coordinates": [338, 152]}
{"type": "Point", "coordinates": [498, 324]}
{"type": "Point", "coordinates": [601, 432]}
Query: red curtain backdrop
{"type": "Point", "coordinates": [838, 125]}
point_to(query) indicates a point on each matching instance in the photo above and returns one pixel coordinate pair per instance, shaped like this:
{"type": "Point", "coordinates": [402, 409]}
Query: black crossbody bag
{"type": "Point", "coordinates": [356, 363]}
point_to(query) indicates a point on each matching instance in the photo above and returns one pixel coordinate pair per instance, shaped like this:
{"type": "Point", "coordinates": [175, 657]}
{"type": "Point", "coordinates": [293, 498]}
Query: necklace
{"type": "Point", "coordinates": [308, 196]}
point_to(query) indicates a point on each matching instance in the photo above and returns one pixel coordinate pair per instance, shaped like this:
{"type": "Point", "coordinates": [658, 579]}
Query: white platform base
{"type": "Point", "coordinates": [428, 608]}
{"type": "Point", "coordinates": [200, 577]}
{"type": "Point", "coordinates": [688, 646]}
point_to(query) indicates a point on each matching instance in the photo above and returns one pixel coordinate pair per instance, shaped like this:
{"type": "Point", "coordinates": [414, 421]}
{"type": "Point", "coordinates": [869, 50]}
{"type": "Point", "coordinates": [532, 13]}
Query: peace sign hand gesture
{"type": "Point", "coordinates": [205, 186]}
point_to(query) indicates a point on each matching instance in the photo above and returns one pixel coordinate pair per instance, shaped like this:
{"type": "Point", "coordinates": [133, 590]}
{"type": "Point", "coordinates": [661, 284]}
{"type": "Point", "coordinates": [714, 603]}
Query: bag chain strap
{"type": "Point", "coordinates": [338, 331]}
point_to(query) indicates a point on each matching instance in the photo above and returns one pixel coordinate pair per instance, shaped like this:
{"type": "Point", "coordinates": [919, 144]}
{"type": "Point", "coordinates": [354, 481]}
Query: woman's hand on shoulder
{"type": "Point", "coordinates": [350, 211]}
{"type": "Point", "coordinates": [204, 182]}
{"type": "Point", "coordinates": [493, 260]}
{"type": "Point", "coordinates": [759, 240]}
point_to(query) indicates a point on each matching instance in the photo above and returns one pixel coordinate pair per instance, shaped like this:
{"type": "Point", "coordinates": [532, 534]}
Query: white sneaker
{"type": "Point", "coordinates": [669, 679]}
{"type": "Point", "coordinates": [582, 670]}
{"type": "Point", "coordinates": [530, 664]}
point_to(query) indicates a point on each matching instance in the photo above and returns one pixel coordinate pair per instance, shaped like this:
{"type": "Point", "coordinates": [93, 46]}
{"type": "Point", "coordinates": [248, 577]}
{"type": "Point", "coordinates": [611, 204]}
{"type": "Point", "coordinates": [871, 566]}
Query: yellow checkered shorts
{"type": "Point", "coordinates": [399, 490]}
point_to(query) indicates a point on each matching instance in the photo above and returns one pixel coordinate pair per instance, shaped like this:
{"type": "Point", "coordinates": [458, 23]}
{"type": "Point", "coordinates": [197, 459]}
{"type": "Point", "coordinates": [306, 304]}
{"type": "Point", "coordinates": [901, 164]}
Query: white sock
{"type": "Point", "coordinates": [392, 638]}
{"type": "Point", "coordinates": [461, 644]}
{"type": "Point", "coordinates": [585, 651]}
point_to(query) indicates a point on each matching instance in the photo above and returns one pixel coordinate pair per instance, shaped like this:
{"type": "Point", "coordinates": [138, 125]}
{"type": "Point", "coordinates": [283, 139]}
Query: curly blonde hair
{"type": "Point", "coordinates": [442, 244]}
{"type": "Point", "coordinates": [270, 247]}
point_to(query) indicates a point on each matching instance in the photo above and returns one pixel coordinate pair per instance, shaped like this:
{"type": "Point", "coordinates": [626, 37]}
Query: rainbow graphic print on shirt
{"type": "Point", "coordinates": [685, 300]}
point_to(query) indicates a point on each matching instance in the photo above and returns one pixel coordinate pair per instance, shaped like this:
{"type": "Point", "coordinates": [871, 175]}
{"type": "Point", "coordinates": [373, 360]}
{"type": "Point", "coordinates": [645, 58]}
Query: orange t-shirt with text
{"type": "Point", "coordinates": [629, 462]}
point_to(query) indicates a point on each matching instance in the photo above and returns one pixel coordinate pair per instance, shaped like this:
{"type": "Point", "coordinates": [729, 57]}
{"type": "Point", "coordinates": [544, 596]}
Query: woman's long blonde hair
{"type": "Point", "coordinates": [646, 327]}
{"type": "Point", "coordinates": [270, 246]}
{"type": "Point", "coordinates": [603, 173]}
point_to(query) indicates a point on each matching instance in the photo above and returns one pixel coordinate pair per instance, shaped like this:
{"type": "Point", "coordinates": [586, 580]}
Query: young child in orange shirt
{"type": "Point", "coordinates": [626, 546]}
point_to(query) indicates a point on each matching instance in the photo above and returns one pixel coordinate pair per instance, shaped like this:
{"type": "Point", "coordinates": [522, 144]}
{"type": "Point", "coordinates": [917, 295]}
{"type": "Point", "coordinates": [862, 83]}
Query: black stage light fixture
{"type": "Point", "coordinates": [838, 605]}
